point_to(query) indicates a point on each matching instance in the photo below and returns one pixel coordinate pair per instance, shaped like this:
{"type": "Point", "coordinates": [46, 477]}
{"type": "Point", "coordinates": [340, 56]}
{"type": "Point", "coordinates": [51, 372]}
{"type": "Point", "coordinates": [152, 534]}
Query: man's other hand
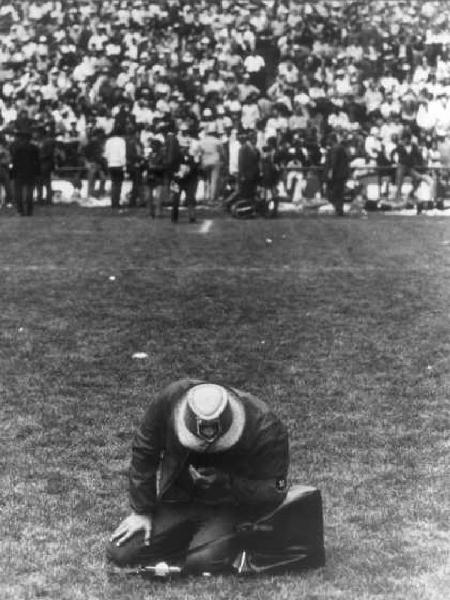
{"type": "Point", "coordinates": [205, 477]}
{"type": "Point", "coordinates": [131, 525]}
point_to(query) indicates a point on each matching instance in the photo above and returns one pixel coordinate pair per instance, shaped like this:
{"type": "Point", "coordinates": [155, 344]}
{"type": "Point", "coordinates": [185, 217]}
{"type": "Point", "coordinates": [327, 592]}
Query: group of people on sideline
{"type": "Point", "coordinates": [236, 94]}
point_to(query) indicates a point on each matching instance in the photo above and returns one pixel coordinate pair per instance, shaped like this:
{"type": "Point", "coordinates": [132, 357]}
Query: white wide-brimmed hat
{"type": "Point", "coordinates": [209, 418]}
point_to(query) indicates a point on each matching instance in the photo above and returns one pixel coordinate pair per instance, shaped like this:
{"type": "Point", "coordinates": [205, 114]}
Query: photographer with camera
{"type": "Point", "coordinates": [220, 457]}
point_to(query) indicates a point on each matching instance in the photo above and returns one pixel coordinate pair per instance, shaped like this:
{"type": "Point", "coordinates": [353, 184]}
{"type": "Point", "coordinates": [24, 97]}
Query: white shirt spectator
{"type": "Point", "coordinates": [214, 85]}
{"type": "Point", "coordinates": [373, 99]}
{"type": "Point", "coordinates": [249, 39]}
{"type": "Point", "coordinates": [83, 70]}
{"type": "Point", "coordinates": [259, 20]}
{"type": "Point", "coordinates": [250, 115]}
{"type": "Point", "coordinates": [355, 51]}
{"type": "Point", "coordinates": [442, 69]}
{"type": "Point", "coordinates": [373, 144]}
{"type": "Point", "coordinates": [143, 113]}
{"type": "Point", "coordinates": [289, 71]}
{"type": "Point", "coordinates": [343, 85]}
{"type": "Point", "coordinates": [389, 83]}
{"type": "Point", "coordinates": [9, 114]}
{"type": "Point", "coordinates": [115, 152]}
{"type": "Point", "coordinates": [254, 63]}
{"type": "Point", "coordinates": [442, 116]}
{"type": "Point", "coordinates": [49, 91]}
{"type": "Point", "coordinates": [233, 149]}
{"type": "Point", "coordinates": [390, 107]}
{"type": "Point", "coordinates": [276, 124]}
{"type": "Point", "coordinates": [97, 42]}
{"type": "Point", "coordinates": [425, 118]}
{"type": "Point", "coordinates": [421, 74]}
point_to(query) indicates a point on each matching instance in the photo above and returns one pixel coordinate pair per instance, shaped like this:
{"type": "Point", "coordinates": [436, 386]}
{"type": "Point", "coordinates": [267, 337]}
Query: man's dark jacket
{"type": "Point", "coordinates": [256, 466]}
{"type": "Point", "coordinates": [248, 163]}
{"type": "Point", "coordinates": [337, 164]}
{"type": "Point", "coordinates": [411, 159]}
{"type": "Point", "coordinates": [25, 161]}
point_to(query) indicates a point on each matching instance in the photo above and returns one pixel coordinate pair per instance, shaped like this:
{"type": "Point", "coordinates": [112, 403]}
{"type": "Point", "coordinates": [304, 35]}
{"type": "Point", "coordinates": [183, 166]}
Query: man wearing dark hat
{"type": "Point", "coordinates": [205, 458]}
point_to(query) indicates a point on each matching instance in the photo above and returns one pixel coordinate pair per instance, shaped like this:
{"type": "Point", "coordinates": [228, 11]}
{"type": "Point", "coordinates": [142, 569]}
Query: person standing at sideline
{"type": "Point", "coordinates": [211, 158]}
{"type": "Point", "coordinates": [116, 159]}
{"type": "Point", "coordinates": [337, 171]}
{"type": "Point", "coordinates": [25, 171]}
{"type": "Point", "coordinates": [186, 179]}
{"type": "Point", "coordinates": [46, 145]}
{"type": "Point", "coordinates": [409, 160]}
{"type": "Point", "coordinates": [95, 162]}
{"type": "Point", "coordinates": [249, 168]}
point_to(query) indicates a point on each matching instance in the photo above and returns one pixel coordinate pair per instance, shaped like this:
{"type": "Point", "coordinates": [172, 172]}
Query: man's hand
{"type": "Point", "coordinates": [131, 525]}
{"type": "Point", "coordinates": [205, 477]}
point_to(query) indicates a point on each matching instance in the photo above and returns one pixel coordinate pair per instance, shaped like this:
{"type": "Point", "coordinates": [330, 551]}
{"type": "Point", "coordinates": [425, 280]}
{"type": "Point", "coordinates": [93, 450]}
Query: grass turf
{"type": "Point", "coordinates": [341, 325]}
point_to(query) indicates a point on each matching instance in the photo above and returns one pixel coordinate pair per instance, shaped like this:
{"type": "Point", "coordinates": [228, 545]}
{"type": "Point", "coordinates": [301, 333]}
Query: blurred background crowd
{"type": "Point", "coordinates": [193, 82]}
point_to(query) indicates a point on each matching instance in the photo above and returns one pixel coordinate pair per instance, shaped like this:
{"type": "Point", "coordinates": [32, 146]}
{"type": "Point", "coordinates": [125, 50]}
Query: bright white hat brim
{"type": "Point", "coordinates": [224, 442]}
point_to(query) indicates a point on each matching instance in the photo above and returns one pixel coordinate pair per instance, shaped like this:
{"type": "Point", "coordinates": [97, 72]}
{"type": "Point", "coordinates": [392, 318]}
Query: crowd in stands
{"type": "Point", "coordinates": [277, 75]}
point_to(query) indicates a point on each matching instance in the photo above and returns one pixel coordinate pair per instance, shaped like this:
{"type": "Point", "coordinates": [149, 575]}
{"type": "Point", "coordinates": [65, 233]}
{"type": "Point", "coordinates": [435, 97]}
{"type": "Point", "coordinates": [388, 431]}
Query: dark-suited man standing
{"type": "Point", "coordinates": [337, 172]}
{"type": "Point", "coordinates": [25, 171]}
{"type": "Point", "coordinates": [249, 168]}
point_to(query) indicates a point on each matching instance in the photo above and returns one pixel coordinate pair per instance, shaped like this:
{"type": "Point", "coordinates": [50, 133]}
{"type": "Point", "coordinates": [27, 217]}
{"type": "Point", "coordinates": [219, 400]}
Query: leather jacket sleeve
{"type": "Point", "coordinates": [267, 467]}
{"type": "Point", "coordinates": [148, 446]}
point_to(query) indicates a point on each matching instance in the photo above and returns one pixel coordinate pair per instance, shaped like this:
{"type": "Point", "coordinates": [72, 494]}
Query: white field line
{"type": "Point", "coordinates": [205, 226]}
{"type": "Point", "coordinates": [105, 270]}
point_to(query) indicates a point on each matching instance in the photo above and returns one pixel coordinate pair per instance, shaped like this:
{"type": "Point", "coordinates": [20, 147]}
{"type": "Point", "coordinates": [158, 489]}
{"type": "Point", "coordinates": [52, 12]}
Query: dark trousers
{"type": "Point", "coordinates": [247, 189]}
{"type": "Point", "coordinates": [184, 534]}
{"type": "Point", "coordinates": [137, 187]}
{"type": "Point", "coordinates": [416, 177]}
{"type": "Point", "coordinates": [336, 191]}
{"type": "Point", "coordinates": [23, 193]}
{"type": "Point", "coordinates": [190, 190]}
{"type": "Point", "coordinates": [95, 171]}
{"type": "Point", "coordinates": [117, 176]}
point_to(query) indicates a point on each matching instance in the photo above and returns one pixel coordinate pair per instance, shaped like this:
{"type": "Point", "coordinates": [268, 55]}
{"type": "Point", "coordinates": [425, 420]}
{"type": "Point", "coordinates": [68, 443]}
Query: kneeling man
{"type": "Point", "coordinates": [205, 459]}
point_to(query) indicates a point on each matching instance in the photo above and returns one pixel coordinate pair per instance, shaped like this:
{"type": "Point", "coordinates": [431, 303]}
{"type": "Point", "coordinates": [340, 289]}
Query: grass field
{"type": "Point", "coordinates": [342, 325]}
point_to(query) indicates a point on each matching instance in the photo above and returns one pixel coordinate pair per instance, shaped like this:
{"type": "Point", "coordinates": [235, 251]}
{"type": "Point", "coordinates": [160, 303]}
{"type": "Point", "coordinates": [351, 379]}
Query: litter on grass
{"type": "Point", "coordinates": [140, 355]}
{"type": "Point", "coordinates": [112, 277]}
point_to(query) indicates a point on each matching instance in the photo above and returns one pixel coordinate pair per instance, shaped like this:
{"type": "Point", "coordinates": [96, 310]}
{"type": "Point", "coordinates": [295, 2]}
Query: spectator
{"type": "Point", "coordinates": [270, 177]}
{"type": "Point", "coordinates": [116, 159]}
{"type": "Point", "coordinates": [249, 168]}
{"type": "Point", "coordinates": [95, 162]}
{"type": "Point", "coordinates": [186, 179]}
{"type": "Point", "coordinates": [25, 171]}
{"type": "Point", "coordinates": [155, 176]}
{"type": "Point", "coordinates": [46, 145]}
{"type": "Point", "coordinates": [410, 162]}
{"type": "Point", "coordinates": [172, 159]}
{"type": "Point", "coordinates": [211, 158]}
{"type": "Point", "coordinates": [135, 167]}
{"type": "Point", "coordinates": [337, 173]}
